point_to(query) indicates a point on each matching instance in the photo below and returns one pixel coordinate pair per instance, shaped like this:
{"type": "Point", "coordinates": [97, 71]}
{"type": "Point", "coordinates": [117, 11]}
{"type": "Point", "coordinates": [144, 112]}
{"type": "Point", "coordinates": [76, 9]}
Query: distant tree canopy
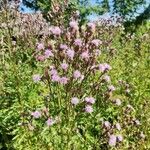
{"type": "Point", "coordinates": [125, 8]}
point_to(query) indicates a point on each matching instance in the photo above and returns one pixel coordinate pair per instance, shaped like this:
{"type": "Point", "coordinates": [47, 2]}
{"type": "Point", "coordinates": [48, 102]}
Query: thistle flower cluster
{"type": "Point", "coordinates": [71, 59]}
{"type": "Point", "coordinates": [109, 129]}
{"type": "Point", "coordinates": [76, 77]}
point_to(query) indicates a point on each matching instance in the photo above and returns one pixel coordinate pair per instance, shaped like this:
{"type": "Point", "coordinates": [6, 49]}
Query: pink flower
{"type": "Point", "coordinates": [74, 100]}
{"type": "Point", "coordinates": [118, 102]}
{"type": "Point", "coordinates": [111, 88]}
{"type": "Point", "coordinates": [101, 67]}
{"type": "Point", "coordinates": [104, 67]}
{"type": "Point", "coordinates": [107, 66]}
{"type": "Point", "coordinates": [107, 124]}
{"type": "Point", "coordinates": [70, 53]}
{"type": "Point", "coordinates": [53, 72]}
{"type": "Point", "coordinates": [91, 26]}
{"type": "Point", "coordinates": [118, 126]}
{"type": "Point", "coordinates": [55, 30]}
{"type": "Point", "coordinates": [96, 42]}
{"type": "Point", "coordinates": [63, 46]}
{"type": "Point", "coordinates": [55, 78]}
{"type": "Point", "coordinates": [78, 42]}
{"type": "Point", "coordinates": [85, 55]}
{"type": "Point", "coordinates": [48, 53]}
{"type": "Point", "coordinates": [89, 109]}
{"type": "Point", "coordinates": [90, 100]}
{"type": "Point", "coordinates": [77, 74]}
{"type": "Point", "coordinates": [63, 80]}
{"type": "Point", "coordinates": [64, 66]}
{"type": "Point", "coordinates": [36, 114]}
{"type": "Point", "coordinates": [40, 46]}
{"type": "Point", "coordinates": [40, 58]}
{"type": "Point", "coordinates": [107, 78]}
{"type": "Point", "coordinates": [120, 138]}
{"type": "Point", "coordinates": [50, 122]}
{"type": "Point", "coordinates": [112, 140]}
{"type": "Point", "coordinates": [74, 25]}
{"type": "Point", "coordinates": [36, 78]}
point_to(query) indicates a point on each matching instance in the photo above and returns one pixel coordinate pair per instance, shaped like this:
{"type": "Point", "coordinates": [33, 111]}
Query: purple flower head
{"type": "Point", "coordinates": [53, 72]}
{"type": "Point", "coordinates": [77, 74]}
{"type": "Point", "coordinates": [55, 30]}
{"type": "Point", "coordinates": [112, 140]}
{"type": "Point", "coordinates": [107, 124]}
{"type": "Point", "coordinates": [120, 138]}
{"type": "Point", "coordinates": [101, 67]}
{"type": "Point", "coordinates": [96, 42]}
{"type": "Point", "coordinates": [91, 26]}
{"type": "Point", "coordinates": [40, 46]}
{"type": "Point", "coordinates": [63, 80]}
{"type": "Point", "coordinates": [50, 122]}
{"type": "Point", "coordinates": [55, 78]}
{"type": "Point", "coordinates": [36, 114]}
{"type": "Point", "coordinates": [107, 78]}
{"type": "Point", "coordinates": [36, 78]}
{"type": "Point", "coordinates": [63, 46]}
{"type": "Point", "coordinates": [89, 109]}
{"type": "Point", "coordinates": [70, 53]}
{"type": "Point", "coordinates": [107, 66]}
{"type": "Point", "coordinates": [40, 58]}
{"type": "Point", "coordinates": [118, 102]}
{"type": "Point", "coordinates": [48, 54]}
{"type": "Point", "coordinates": [78, 42]}
{"type": "Point", "coordinates": [111, 88]}
{"type": "Point", "coordinates": [74, 100]}
{"type": "Point", "coordinates": [118, 126]}
{"type": "Point", "coordinates": [64, 66]}
{"type": "Point", "coordinates": [104, 67]}
{"type": "Point", "coordinates": [90, 100]}
{"type": "Point", "coordinates": [74, 25]}
{"type": "Point", "coordinates": [85, 55]}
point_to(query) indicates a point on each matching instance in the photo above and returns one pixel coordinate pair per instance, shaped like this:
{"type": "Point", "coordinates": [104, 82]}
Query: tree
{"type": "Point", "coordinates": [125, 8]}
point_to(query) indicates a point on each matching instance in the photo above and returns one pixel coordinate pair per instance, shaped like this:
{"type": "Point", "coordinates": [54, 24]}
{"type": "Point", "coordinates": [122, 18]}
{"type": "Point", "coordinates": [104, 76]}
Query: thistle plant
{"type": "Point", "coordinates": [78, 88]}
